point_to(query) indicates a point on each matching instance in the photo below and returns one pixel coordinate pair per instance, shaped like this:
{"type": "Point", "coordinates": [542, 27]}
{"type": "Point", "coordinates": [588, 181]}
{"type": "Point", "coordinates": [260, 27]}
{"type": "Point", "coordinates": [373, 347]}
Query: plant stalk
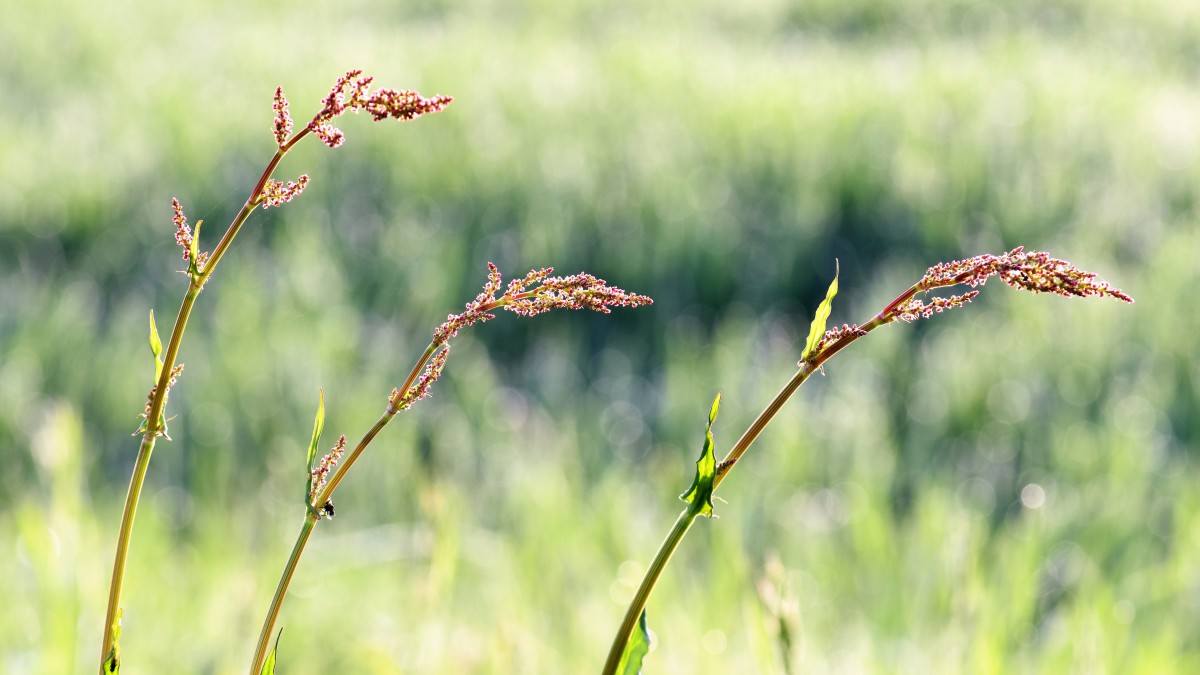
{"type": "Point", "coordinates": [310, 520]}
{"type": "Point", "coordinates": [807, 368]}
{"type": "Point", "coordinates": [158, 401]}
{"type": "Point", "coordinates": [285, 580]}
{"type": "Point", "coordinates": [665, 550]}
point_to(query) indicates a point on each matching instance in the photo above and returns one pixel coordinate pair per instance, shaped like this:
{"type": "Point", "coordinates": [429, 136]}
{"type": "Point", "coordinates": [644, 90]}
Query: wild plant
{"type": "Point", "coordinates": [535, 293]}
{"type": "Point", "coordinates": [1031, 271]}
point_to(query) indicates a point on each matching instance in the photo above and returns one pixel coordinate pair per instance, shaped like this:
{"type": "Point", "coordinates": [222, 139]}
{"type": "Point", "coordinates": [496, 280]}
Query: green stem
{"type": "Point", "coordinates": [133, 496]}
{"type": "Point", "coordinates": [285, 580]}
{"type": "Point", "coordinates": [807, 368]}
{"type": "Point", "coordinates": [682, 525]}
{"type": "Point", "coordinates": [310, 520]}
{"type": "Point", "coordinates": [159, 399]}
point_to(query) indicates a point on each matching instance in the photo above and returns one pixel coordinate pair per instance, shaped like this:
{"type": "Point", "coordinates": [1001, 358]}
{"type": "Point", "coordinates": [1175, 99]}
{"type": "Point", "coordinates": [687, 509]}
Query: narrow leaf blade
{"type": "Point", "coordinates": [318, 427]}
{"type": "Point", "coordinates": [268, 667]}
{"type": "Point", "coordinates": [816, 331]}
{"type": "Point", "coordinates": [194, 251]}
{"type": "Point", "coordinates": [636, 649]}
{"type": "Point", "coordinates": [699, 495]}
{"type": "Point", "coordinates": [156, 347]}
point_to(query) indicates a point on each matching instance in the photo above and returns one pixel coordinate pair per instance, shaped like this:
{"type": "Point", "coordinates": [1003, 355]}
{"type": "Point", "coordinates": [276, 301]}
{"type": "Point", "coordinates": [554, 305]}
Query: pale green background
{"type": "Point", "coordinates": [718, 156]}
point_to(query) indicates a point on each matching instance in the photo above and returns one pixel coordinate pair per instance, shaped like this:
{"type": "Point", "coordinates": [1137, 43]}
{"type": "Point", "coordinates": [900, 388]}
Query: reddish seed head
{"type": "Point", "coordinates": [283, 120]}
{"type": "Point", "coordinates": [916, 309]}
{"type": "Point", "coordinates": [578, 291]}
{"type": "Point", "coordinates": [276, 193]}
{"type": "Point", "coordinates": [320, 474]}
{"type": "Point", "coordinates": [1035, 271]}
{"type": "Point", "coordinates": [352, 92]}
{"type": "Point", "coordinates": [433, 370]}
{"type": "Point", "coordinates": [183, 233]}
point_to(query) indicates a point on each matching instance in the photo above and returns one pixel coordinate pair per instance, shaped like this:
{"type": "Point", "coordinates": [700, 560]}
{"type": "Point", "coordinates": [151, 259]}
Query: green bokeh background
{"type": "Point", "coordinates": [1008, 488]}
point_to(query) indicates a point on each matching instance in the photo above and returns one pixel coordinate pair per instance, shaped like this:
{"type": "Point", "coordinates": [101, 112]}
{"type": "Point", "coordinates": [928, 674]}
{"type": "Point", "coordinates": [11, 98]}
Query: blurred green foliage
{"type": "Point", "coordinates": [1010, 488]}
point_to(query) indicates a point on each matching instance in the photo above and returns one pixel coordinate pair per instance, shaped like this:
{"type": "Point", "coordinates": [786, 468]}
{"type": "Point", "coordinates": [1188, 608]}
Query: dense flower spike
{"type": "Point", "coordinates": [403, 400]}
{"type": "Point", "coordinates": [475, 311]}
{"type": "Point", "coordinates": [276, 193]}
{"type": "Point", "coordinates": [161, 431]}
{"type": "Point", "coordinates": [352, 92]}
{"type": "Point", "coordinates": [916, 309]}
{"type": "Point", "coordinates": [1035, 271]}
{"type": "Point", "coordinates": [403, 105]}
{"type": "Point", "coordinates": [835, 334]}
{"type": "Point", "coordinates": [283, 121]}
{"type": "Point", "coordinates": [578, 291]}
{"type": "Point", "coordinates": [320, 474]}
{"type": "Point", "coordinates": [186, 240]}
{"type": "Point", "coordinates": [183, 233]}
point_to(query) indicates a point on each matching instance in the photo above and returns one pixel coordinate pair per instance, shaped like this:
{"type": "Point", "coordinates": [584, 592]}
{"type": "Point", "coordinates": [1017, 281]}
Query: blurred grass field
{"type": "Point", "coordinates": [1008, 488]}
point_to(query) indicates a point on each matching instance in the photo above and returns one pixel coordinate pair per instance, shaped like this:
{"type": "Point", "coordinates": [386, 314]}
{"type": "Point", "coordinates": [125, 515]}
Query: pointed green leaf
{"type": "Point", "coordinates": [268, 667]}
{"type": "Point", "coordinates": [636, 649]}
{"type": "Point", "coordinates": [192, 268]}
{"type": "Point", "coordinates": [699, 495]}
{"type": "Point", "coordinates": [817, 330]}
{"type": "Point", "coordinates": [156, 347]}
{"type": "Point", "coordinates": [318, 427]}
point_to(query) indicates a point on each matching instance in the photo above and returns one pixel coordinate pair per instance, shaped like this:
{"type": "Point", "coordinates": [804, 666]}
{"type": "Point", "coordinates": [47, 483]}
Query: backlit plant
{"type": "Point", "coordinates": [535, 293]}
{"type": "Point", "coordinates": [1031, 271]}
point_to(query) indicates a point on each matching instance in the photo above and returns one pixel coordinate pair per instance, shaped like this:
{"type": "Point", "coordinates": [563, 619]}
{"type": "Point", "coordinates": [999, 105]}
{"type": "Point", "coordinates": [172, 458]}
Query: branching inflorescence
{"type": "Point", "coordinates": [350, 92]}
{"type": "Point", "coordinates": [1038, 272]}
{"type": "Point", "coordinates": [578, 291]}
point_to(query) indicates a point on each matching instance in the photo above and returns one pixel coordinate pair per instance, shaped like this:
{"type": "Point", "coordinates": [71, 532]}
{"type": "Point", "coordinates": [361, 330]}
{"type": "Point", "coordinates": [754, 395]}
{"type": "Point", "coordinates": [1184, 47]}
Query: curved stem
{"type": "Point", "coordinates": [133, 495]}
{"type": "Point", "coordinates": [310, 518]}
{"type": "Point", "coordinates": [285, 580]}
{"type": "Point", "coordinates": [665, 550]}
{"type": "Point", "coordinates": [159, 399]}
{"type": "Point", "coordinates": [807, 368]}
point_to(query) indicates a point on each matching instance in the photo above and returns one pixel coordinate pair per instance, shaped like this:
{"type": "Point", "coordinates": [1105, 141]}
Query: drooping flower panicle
{"type": "Point", "coordinates": [278, 193]}
{"type": "Point", "coordinates": [352, 92]}
{"type": "Point", "coordinates": [1035, 271]}
{"type": "Point", "coordinates": [577, 291]}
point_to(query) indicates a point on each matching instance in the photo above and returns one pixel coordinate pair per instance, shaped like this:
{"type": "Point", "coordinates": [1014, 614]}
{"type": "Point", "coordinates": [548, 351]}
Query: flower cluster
{"type": "Point", "coordinates": [833, 335]}
{"type": "Point", "coordinates": [283, 121]}
{"type": "Point", "coordinates": [403, 400]}
{"type": "Point", "coordinates": [476, 311]}
{"type": "Point", "coordinates": [162, 430]}
{"type": "Point", "coordinates": [577, 291]}
{"type": "Point", "coordinates": [1034, 271]}
{"type": "Point", "coordinates": [278, 193]}
{"type": "Point", "coordinates": [352, 92]}
{"type": "Point", "coordinates": [183, 233]}
{"type": "Point", "coordinates": [185, 239]}
{"type": "Point", "coordinates": [320, 474]}
{"type": "Point", "coordinates": [915, 309]}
